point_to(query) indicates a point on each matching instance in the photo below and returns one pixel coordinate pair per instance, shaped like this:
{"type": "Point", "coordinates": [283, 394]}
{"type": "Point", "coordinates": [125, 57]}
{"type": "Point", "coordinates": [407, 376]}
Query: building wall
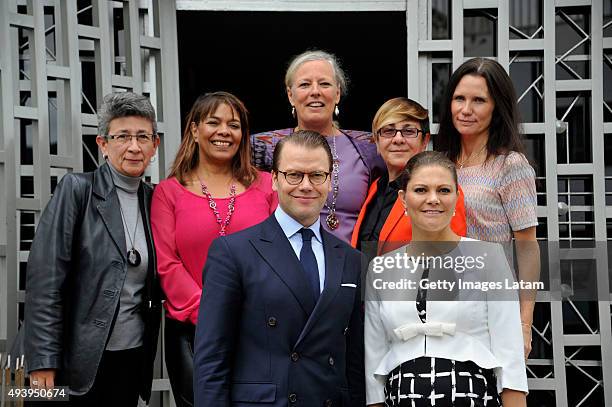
{"type": "Point", "coordinates": [60, 57]}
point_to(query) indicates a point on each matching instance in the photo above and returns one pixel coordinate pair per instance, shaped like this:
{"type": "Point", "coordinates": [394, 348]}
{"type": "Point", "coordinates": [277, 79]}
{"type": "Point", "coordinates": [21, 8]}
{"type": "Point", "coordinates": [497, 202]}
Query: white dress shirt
{"type": "Point", "coordinates": [291, 228]}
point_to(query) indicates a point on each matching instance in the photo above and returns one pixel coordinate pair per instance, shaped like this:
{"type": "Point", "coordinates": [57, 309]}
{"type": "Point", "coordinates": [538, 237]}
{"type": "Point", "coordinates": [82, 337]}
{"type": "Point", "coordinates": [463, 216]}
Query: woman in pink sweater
{"type": "Point", "coordinates": [212, 190]}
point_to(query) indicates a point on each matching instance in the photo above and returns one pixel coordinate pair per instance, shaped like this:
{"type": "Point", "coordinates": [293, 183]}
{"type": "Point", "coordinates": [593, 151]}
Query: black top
{"type": "Point", "coordinates": [378, 211]}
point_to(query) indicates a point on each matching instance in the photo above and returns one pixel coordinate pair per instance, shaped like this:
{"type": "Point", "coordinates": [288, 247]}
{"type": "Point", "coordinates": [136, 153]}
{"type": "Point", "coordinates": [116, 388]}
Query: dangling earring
{"type": "Point", "coordinates": [337, 111]}
{"type": "Point", "coordinates": [454, 213]}
{"type": "Point", "coordinates": [406, 212]}
{"type": "Point", "coordinates": [293, 111]}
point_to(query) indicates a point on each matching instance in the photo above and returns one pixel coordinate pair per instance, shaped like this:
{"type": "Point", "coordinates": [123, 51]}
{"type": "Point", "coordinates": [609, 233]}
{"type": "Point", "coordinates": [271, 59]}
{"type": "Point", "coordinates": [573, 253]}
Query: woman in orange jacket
{"type": "Point", "coordinates": [401, 130]}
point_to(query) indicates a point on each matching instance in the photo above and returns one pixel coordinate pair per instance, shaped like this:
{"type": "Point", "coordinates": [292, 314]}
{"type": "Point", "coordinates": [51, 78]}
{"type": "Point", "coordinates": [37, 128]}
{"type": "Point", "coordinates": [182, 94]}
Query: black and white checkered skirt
{"type": "Point", "coordinates": [429, 381]}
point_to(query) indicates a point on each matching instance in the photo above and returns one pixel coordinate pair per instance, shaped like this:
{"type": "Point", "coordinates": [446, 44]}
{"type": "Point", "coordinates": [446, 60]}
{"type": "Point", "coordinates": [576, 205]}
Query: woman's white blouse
{"type": "Point", "coordinates": [479, 329]}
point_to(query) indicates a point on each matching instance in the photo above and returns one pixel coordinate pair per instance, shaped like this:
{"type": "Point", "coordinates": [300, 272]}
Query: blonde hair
{"type": "Point", "coordinates": [398, 109]}
{"type": "Point", "coordinates": [317, 55]}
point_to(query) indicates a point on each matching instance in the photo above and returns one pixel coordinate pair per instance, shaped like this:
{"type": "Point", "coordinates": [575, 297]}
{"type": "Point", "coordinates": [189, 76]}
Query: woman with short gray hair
{"type": "Point", "coordinates": [315, 84]}
{"type": "Point", "coordinates": [92, 308]}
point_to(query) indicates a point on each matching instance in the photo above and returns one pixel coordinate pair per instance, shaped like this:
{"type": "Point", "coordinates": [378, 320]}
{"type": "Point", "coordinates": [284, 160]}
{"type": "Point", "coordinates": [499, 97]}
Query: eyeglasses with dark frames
{"type": "Point", "coordinates": [123, 138]}
{"type": "Point", "coordinates": [296, 177]}
{"type": "Point", "coordinates": [407, 132]}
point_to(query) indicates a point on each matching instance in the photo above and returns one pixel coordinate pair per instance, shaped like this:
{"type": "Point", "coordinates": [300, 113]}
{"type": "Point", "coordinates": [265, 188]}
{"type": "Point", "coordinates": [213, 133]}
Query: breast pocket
{"type": "Point", "coordinates": [347, 292]}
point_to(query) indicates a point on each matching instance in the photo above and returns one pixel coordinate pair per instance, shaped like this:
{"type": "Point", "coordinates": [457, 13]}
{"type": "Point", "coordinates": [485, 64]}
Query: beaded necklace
{"type": "Point", "coordinates": [213, 206]}
{"type": "Point", "coordinates": [332, 220]}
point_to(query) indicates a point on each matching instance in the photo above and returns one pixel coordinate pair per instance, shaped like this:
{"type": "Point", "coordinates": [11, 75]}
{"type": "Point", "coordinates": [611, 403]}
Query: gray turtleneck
{"type": "Point", "coordinates": [128, 329]}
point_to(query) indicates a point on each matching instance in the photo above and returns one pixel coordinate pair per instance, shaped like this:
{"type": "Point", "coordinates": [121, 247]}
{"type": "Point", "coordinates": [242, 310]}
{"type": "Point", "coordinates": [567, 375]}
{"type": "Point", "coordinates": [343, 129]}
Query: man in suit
{"type": "Point", "coordinates": [280, 319]}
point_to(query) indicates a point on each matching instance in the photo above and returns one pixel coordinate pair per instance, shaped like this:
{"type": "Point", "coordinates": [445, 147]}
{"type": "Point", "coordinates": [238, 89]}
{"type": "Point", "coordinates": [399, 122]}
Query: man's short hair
{"type": "Point", "coordinates": [304, 138]}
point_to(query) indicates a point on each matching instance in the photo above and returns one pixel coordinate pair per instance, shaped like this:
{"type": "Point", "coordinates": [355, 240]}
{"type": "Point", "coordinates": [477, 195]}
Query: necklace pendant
{"type": "Point", "coordinates": [213, 206]}
{"type": "Point", "coordinates": [133, 257]}
{"type": "Point", "coordinates": [332, 221]}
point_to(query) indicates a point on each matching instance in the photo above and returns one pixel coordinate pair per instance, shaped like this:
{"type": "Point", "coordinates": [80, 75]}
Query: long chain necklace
{"type": "Point", "coordinates": [133, 256]}
{"type": "Point", "coordinates": [332, 220]}
{"type": "Point", "coordinates": [213, 205]}
{"type": "Point", "coordinates": [469, 157]}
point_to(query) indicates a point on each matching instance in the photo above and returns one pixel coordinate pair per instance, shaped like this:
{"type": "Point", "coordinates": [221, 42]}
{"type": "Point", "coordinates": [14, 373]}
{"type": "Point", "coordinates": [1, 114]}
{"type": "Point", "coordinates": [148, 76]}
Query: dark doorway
{"type": "Point", "coordinates": [246, 53]}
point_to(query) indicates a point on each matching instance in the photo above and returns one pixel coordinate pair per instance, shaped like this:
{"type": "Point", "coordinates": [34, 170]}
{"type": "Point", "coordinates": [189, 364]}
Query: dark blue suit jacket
{"type": "Point", "coordinates": [260, 336]}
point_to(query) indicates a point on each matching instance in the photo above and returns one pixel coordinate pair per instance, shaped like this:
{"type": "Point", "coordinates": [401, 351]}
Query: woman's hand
{"type": "Point", "coordinates": [513, 398]}
{"type": "Point", "coordinates": [42, 379]}
{"type": "Point", "coordinates": [526, 339]}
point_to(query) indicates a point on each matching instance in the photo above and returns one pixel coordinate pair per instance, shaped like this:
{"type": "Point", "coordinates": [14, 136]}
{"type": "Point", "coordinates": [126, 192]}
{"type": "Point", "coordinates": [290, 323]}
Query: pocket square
{"type": "Point", "coordinates": [348, 285]}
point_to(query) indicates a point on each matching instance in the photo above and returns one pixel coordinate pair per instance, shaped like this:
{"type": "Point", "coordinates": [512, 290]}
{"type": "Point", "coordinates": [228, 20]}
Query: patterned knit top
{"type": "Point", "coordinates": [500, 197]}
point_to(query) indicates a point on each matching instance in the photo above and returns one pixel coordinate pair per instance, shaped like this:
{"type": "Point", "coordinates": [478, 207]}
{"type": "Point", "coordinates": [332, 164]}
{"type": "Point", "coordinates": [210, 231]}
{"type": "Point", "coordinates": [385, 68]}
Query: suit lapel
{"type": "Point", "coordinates": [334, 266]}
{"type": "Point", "coordinates": [108, 207]}
{"type": "Point", "coordinates": [275, 249]}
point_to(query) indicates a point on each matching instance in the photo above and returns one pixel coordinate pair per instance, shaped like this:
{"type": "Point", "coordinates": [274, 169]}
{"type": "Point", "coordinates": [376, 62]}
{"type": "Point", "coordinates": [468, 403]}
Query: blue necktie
{"type": "Point", "coordinates": [309, 261]}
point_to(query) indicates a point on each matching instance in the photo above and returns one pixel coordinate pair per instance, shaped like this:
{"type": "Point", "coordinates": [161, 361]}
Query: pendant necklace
{"type": "Point", "coordinates": [332, 220]}
{"type": "Point", "coordinates": [213, 206]}
{"type": "Point", "coordinates": [469, 157]}
{"type": "Point", "coordinates": [133, 256]}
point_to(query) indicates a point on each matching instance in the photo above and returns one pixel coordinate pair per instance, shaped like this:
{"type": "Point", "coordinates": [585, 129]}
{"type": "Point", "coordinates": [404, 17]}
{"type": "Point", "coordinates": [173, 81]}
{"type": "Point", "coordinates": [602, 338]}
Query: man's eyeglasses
{"type": "Point", "coordinates": [408, 132]}
{"type": "Point", "coordinates": [296, 177]}
{"type": "Point", "coordinates": [142, 139]}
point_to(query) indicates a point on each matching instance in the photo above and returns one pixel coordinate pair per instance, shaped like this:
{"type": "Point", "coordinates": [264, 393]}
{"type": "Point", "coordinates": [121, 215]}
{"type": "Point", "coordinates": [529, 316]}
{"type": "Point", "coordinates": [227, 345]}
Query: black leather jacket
{"type": "Point", "coordinates": [75, 273]}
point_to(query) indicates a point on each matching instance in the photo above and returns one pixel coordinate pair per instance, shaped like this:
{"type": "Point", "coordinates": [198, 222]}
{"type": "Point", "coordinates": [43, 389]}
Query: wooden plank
{"type": "Point", "coordinates": [21, 20]}
{"type": "Point", "coordinates": [526, 45]}
{"type": "Point", "coordinates": [573, 85]}
{"type": "Point", "coordinates": [435, 45]}
{"type": "Point", "coordinates": [57, 71]}
{"type": "Point", "coordinates": [87, 31]}
{"type": "Point", "coordinates": [150, 42]}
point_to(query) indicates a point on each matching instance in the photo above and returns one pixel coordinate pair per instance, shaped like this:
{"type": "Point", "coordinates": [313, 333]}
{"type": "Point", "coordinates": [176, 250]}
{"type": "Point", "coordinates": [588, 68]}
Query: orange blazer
{"type": "Point", "coordinates": [397, 230]}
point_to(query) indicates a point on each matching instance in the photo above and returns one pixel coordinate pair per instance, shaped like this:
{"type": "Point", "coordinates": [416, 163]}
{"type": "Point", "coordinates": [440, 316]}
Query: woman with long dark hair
{"type": "Point", "coordinates": [479, 131]}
